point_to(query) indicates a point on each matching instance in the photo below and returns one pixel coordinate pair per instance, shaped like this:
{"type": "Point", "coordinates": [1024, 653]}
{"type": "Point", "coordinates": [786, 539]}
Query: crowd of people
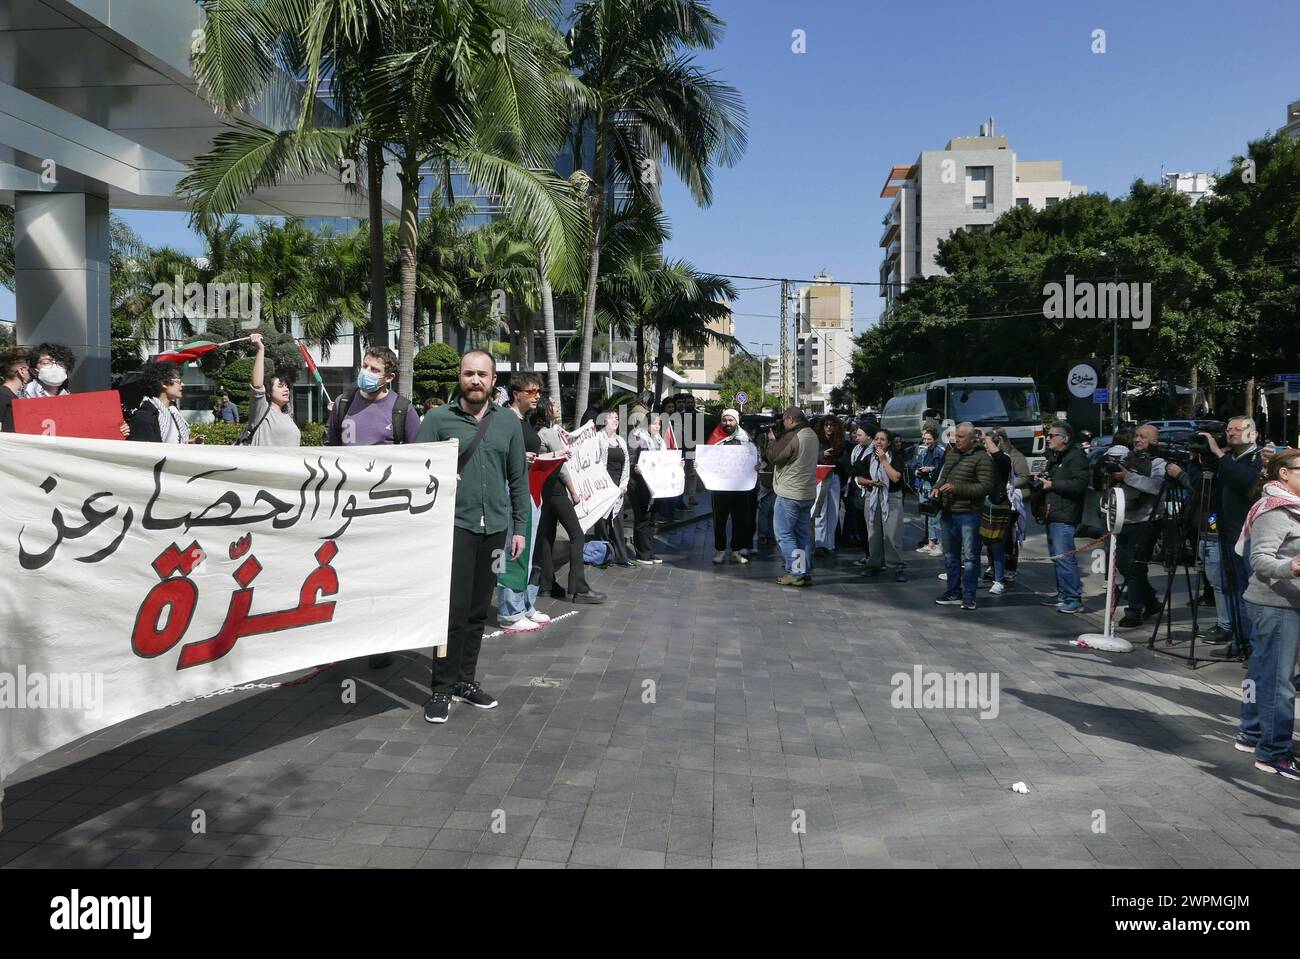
{"type": "Point", "coordinates": [821, 485]}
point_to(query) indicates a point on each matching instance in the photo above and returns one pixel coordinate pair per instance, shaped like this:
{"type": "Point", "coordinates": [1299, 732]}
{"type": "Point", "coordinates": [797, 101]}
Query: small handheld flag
{"type": "Point", "coordinates": [311, 365]}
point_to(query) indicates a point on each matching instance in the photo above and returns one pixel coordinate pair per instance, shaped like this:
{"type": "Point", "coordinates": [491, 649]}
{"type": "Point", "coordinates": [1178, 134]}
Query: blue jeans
{"type": "Point", "coordinates": [1060, 539]}
{"type": "Point", "coordinates": [1236, 577]}
{"type": "Point", "coordinates": [961, 552]}
{"type": "Point", "coordinates": [513, 606]}
{"type": "Point", "coordinates": [931, 522]}
{"type": "Point", "coordinates": [1213, 565]}
{"type": "Point", "coordinates": [792, 522]}
{"type": "Point", "coordinates": [1270, 718]}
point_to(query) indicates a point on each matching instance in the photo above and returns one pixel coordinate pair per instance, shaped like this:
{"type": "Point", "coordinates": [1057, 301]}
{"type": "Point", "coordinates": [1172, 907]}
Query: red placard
{"type": "Point", "coordinates": [91, 416]}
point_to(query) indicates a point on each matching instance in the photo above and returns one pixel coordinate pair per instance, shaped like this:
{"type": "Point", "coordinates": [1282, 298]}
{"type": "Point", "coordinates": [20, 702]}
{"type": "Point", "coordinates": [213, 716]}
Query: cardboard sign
{"type": "Point", "coordinates": [87, 416]}
{"type": "Point", "coordinates": [730, 467]}
{"type": "Point", "coordinates": [663, 473]}
{"type": "Point", "coordinates": [596, 489]}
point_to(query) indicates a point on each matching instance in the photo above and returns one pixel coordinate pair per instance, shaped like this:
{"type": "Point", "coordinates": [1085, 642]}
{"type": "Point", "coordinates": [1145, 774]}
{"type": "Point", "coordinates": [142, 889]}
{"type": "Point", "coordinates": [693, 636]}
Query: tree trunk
{"type": "Point", "coordinates": [548, 319]}
{"type": "Point", "coordinates": [665, 357]}
{"type": "Point", "coordinates": [407, 234]}
{"type": "Point", "coordinates": [597, 204]}
{"type": "Point", "coordinates": [640, 357]}
{"type": "Point", "coordinates": [1191, 400]}
{"type": "Point", "coordinates": [438, 332]}
{"type": "Point", "coordinates": [1250, 396]}
{"type": "Point", "coordinates": [378, 286]}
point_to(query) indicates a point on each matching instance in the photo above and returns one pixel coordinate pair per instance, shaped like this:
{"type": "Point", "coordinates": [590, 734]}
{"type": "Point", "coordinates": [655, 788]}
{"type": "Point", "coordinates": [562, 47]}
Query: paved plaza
{"type": "Point", "coordinates": [703, 717]}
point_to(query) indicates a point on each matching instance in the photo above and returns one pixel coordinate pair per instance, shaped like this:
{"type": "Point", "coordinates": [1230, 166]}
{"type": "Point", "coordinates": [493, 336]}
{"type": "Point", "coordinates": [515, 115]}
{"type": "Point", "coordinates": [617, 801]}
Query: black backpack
{"type": "Point", "coordinates": [401, 406]}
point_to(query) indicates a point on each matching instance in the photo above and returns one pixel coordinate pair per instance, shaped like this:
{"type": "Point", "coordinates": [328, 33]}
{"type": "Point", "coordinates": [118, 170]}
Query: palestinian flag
{"type": "Point", "coordinates": [311, 365]}
{"type": "Point", "coordinates": [666, 431]}
{"type": "Point", "coordinates": [188, 353]}
{"type": "Point", "coordinates": [515, 573]}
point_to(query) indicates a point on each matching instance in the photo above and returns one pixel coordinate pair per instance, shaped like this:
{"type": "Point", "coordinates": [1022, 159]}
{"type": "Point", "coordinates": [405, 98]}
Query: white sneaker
{"type": "Point", "coordinates": [741, 557]}
{"type": "Point", "coordinates": [523, 622]}
{"type": "Point", "coordinates": [537, 616]}
{"type": "Point", "coordinates": [719, 557]}
{"type": "Point", "coordinates": [943, 575]}
{"type": "Point", "coordinates": [936, 550]}
{"type": "Point", "coordinates": [997, 589]}
{"type": "Point", "coordinates": [923, 548]}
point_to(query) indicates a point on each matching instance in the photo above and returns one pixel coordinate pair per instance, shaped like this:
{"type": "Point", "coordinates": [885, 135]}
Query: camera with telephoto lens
{"type": "Point", "coordinates": [930, 506]}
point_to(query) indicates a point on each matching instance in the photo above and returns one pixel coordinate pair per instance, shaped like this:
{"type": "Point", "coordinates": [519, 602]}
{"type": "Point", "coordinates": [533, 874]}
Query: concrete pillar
{"type": "Point", "coordinates": [61, 251]}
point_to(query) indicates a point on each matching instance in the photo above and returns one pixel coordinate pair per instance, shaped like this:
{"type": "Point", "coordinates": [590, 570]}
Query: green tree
{"type": "Point", "coordinates": [476, 82]}
{"type": "Point", "coordinates": [437, 370]}
{"type": "Point", "coordinates": [647, 100]}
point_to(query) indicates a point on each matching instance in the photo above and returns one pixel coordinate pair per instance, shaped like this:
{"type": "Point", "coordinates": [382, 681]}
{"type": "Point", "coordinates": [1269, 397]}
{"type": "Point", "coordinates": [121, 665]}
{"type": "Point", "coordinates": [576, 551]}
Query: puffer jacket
{"type": "Point", "coordinates": [972, 477]}
{"type": "Point", "coordinates": [1068, 472]}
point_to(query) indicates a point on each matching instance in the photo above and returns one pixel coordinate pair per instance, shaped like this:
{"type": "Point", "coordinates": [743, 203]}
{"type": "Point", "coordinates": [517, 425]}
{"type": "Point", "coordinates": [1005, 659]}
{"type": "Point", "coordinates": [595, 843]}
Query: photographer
{"type": "Point", "coordinates": [1141, 476]}
{"type": "Point", "coordinates": [1064, 488]}
{"type": "Point", "coordinates": [1238, 468]}
{"type": "Point", "coordinates": [1199, 481]}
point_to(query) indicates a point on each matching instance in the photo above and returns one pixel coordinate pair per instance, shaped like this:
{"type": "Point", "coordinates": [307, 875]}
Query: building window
{"type": "Point", "coordinates": [979, 203]}
{"type": "Point", "coordinates": [976, 172]}
{"type": "Point", "coordinates": [979, 187]}
{"type": "Point", "coordinates": [1022, 201]}
{"type": "Point", "coordinates": [1053, 200]}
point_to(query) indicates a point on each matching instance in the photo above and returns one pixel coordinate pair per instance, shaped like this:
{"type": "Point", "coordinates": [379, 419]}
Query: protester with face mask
{"type": "Point", "coordinates": [1270, 536]}
{"type": "Point", "coordinates": [13, 367]}
{"type": "Point", "coordinates": [373, 414]}
{"type": "Point", "coordinates": [730, 505]}
{"type": "Point", "coordinates": [51, 366]}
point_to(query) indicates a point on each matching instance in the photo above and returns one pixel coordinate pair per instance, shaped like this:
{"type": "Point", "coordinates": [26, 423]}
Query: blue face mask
{"type": "Point", "coordinates": [369, 381]}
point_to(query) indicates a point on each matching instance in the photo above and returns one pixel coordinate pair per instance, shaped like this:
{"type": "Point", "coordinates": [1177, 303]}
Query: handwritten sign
{"type": "Point", "coordinates": [663, 473]}
{"type": "Point", "coordinates": [144, 574]}
{"type": "Point", "coordinates": [596, 488]}
{"type": "Point", "coordinates": [729, 467]}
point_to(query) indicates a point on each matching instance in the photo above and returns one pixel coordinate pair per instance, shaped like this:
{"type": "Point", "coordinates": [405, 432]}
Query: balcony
{"type": "Point", "coordinates": [890, 232]}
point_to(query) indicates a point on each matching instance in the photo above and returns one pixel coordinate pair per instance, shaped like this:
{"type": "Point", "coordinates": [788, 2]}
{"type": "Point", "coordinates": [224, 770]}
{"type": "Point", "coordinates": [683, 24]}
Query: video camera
{"type": "Point", "coordinates": [1194, 447]}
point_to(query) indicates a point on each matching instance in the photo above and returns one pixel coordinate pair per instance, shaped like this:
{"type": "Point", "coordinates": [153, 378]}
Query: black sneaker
{"type": "Point", "coordinates": [968, 604]}
{"type": "Point", "coordinates": [949, 599]}
{"type": "Point", "coordinates": [1131, 618]}
{"type": "Point", "coordinates": [473, 694]}
{"type": "Point", "coordinates": [1216, 635]}
{"type": "Point", "coordinates": [437, 708]}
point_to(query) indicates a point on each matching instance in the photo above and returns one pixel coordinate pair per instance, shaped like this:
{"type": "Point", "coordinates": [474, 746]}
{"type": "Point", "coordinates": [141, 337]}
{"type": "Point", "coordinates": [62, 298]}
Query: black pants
{"type": "Point", "coordinates": [643, 540]}
{"type": "Point", "coordinates": [472, 581]}
{"type": "Point", "coordinates": [855, 520]}
{"type": "Point", "coordinates": [730, 505]}
{"type": "Point", "coordinates": [617, 537]}
{"type": "Point", "coordinates": [559, 509]}
{"type": "Point", "coordinates": [1132, 553]}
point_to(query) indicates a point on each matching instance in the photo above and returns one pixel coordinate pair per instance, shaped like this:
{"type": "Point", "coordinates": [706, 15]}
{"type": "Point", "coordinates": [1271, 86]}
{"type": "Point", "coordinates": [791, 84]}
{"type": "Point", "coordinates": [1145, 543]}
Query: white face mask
{"type": "Point", "coordinates": [53, 375]}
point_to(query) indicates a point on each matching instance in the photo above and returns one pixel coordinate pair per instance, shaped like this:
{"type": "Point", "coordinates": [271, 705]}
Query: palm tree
{"type": "Point", "coordinates": [647, 100]}
{"type": "Point", "coordinates": [476, 82]}
{"type": "Point", "coordinates": [632, 274]}
{"type": "Point", "coordinates": [684, 312]}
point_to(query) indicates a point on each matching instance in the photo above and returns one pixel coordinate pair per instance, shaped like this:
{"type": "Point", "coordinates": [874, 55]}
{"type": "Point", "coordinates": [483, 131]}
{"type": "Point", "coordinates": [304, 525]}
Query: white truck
{"type": "Point", "coordinates": [1009, 402]}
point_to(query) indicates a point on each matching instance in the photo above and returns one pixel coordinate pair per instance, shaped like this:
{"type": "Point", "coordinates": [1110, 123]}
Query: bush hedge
{"type": "Point", "coordinates": [225, 434]}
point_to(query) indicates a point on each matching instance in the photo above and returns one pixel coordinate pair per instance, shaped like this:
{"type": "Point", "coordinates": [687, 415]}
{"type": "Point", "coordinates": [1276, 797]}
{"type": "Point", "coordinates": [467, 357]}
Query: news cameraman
{"type": "Point", "coordinates": [1239, 467]}
{"type": "Point", "coordinates": [1141, 475]}
{"type": "Point", "coordinates": [1200, 483]}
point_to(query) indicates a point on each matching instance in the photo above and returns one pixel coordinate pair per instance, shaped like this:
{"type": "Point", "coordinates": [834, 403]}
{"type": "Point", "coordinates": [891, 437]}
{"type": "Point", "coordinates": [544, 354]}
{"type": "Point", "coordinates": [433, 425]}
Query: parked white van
{"type": "Point", "coordinates": [1010, 402]}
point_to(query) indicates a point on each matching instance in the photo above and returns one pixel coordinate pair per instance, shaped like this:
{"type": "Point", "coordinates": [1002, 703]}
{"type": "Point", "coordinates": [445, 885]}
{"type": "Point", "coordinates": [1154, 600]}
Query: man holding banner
{"type": "Point", "coordinates": [730, 493]}
{"type": "Point", "coordinates": [491, 498]}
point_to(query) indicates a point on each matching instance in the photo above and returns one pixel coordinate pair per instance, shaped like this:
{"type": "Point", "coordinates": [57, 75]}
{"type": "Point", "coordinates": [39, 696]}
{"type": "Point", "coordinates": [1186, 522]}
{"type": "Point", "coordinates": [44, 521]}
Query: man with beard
{"type": "Point", "coordinates": [491, 497]}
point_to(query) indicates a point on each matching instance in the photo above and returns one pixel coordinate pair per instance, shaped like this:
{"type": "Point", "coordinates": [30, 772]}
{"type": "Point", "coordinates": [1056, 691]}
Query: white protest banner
{"type": "Point", "coordinates": [596, 488]}
{"type": "Point", "coordinates": [729, 467]}
{"type": "Point", "coordinates": [663, 473]}
{"type": "Point", "coordinates": [135, 575]}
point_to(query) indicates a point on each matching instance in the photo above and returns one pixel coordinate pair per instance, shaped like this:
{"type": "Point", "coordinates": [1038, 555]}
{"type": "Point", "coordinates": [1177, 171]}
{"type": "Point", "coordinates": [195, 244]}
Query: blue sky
{"type": "Point", "coordinates": [1184, 85]}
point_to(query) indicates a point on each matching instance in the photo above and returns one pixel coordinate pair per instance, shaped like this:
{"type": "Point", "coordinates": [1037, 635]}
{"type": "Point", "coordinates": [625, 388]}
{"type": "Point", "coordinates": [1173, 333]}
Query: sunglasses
{"type": "Point", "coordinates": [530, 392]}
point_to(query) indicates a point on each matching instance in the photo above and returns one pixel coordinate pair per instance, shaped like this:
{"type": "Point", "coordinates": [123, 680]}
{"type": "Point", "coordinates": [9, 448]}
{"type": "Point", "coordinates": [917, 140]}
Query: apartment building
{"type": "Point", "coordinates": [824, 312]}
{"type": "Point", "coordinates": [965, 186]}
{"type": "Point", "coordinates": [702, 364]}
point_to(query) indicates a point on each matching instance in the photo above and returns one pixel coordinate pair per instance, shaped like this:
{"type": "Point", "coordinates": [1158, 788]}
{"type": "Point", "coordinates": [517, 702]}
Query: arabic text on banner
{"type": "Point", "coordinates": [729, 467]}
{"type": "Point", "coordinates": [662, 472]}
{"type": "Point", "coordinates": [143, 574]}
{"type": "Point", "coordinates": [597, 489]}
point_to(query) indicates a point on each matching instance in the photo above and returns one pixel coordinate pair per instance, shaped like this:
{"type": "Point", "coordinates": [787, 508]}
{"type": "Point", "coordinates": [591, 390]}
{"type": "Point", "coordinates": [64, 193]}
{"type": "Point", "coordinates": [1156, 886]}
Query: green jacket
{"type": "Point", "coordinates": [972, 476]}
{"type": "Point", "coordinates": [492, 495]}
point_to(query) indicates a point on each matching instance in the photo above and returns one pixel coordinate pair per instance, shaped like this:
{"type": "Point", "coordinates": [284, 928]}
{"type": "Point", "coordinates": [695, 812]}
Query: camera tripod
{"type": "Point", "coordinates": [1178, 542]}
